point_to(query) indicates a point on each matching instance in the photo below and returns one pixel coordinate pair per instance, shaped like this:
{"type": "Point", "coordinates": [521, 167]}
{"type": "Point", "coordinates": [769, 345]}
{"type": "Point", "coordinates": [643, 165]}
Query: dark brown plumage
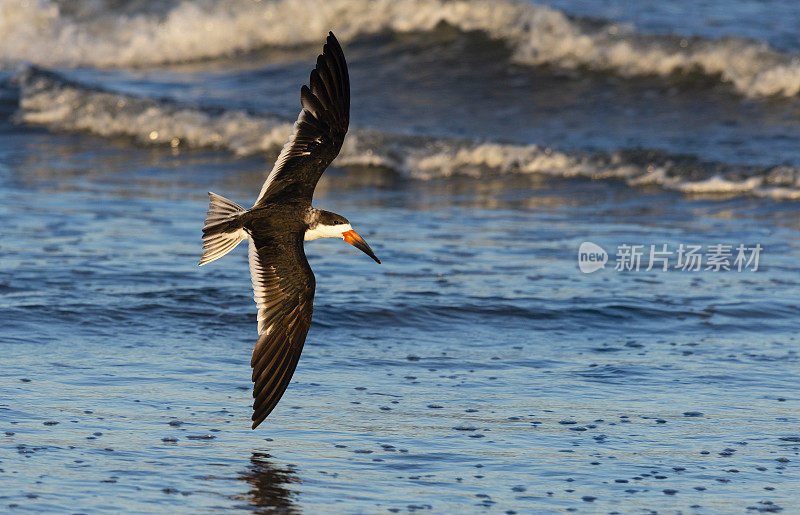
{"type": "Point", "coordinates": [318, 132]}
{"type": "Point", "coordinates": [278, 223]}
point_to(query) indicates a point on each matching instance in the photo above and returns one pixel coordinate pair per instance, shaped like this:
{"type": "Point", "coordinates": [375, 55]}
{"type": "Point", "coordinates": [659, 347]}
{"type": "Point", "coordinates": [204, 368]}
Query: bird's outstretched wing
{"type": "Point", "coordinates": [283, 287]}
{"type": "Point", "coordinates": [318, 132]}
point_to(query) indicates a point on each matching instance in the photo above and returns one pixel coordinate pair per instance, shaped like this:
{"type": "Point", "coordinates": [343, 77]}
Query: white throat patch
{"type": "Point", "coordinates": [326, 231]}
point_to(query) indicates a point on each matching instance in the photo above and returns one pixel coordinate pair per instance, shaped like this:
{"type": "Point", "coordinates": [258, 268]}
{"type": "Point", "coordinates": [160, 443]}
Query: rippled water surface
{"type": "Point", "coordinates": [477, 369]}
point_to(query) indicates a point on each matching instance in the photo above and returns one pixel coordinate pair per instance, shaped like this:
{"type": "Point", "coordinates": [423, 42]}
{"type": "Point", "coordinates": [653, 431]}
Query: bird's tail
{"type": "Point", "coordinates": [222, 230]}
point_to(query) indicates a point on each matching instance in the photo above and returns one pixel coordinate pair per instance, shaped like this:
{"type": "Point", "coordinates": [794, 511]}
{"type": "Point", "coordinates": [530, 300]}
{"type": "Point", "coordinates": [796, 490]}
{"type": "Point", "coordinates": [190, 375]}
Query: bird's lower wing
{"type": "Point", "coordinates": [283, 287]}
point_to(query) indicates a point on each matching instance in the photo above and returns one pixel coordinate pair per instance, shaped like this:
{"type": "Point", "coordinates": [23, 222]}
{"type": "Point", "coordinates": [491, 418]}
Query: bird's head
{"type": "Point", "coordinates": [330, 225]}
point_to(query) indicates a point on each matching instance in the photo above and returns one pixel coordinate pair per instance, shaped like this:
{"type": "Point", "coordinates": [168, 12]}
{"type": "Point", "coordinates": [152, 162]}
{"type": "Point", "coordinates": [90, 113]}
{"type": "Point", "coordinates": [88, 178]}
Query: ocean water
{"type": "Point", "coordinates": [477, 369]}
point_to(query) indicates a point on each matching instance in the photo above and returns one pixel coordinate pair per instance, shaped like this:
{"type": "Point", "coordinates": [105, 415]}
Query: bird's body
{"type": "Point", "coordinates": [280, 221]}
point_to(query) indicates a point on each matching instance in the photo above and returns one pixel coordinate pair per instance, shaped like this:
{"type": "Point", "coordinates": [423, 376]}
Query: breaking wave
{"type": "Point", "coordinates": [50, 100]}
{"type": "Point", "coordinates": [107, 34]}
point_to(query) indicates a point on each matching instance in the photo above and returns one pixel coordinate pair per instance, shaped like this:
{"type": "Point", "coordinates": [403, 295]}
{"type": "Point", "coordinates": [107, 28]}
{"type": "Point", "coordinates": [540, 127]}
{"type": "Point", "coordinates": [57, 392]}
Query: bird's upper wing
{"type": "Point", "coordinates": [283, 287]}
{"type": "Point", "coordinates": [318, 132]}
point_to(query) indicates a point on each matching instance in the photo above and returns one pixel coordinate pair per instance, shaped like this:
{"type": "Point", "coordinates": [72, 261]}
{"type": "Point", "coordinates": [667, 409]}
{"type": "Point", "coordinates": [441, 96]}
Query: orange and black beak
{"type": "Point", "coordinates": [358, 242]}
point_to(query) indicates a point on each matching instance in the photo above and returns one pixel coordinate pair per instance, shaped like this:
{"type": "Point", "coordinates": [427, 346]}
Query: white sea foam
{"type": "Point", "coordinates": [47, 99]}
{"type": "Point", "coordinates": [87, 32]}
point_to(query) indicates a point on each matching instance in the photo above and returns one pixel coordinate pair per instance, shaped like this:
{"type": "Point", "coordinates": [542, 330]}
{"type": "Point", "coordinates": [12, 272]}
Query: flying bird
{"type": "Point", "coordinates": [280, 221]}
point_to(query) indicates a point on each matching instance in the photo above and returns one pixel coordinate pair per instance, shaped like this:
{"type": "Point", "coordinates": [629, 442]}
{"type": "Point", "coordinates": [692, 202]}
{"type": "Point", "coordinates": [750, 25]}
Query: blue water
{"type": "Point", "coordinates": [477, 369]}
{"type": "Point", "coordinates": [770, 21]}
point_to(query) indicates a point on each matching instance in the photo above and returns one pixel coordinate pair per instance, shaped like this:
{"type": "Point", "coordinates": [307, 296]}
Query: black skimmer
{"type": "Point", "coordinates": [278, 223]}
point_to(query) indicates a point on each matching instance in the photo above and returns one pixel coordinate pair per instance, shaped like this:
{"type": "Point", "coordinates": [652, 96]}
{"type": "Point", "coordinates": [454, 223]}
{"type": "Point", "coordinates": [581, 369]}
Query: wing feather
{"type": "Point", "coordinates": [283, 288]}
{"type": "Point", "coordinates": [319, 131]}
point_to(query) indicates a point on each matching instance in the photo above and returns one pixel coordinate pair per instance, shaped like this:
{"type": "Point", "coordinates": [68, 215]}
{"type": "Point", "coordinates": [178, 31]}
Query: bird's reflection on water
{"type": "Point", "coordinates": [270, 485]}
